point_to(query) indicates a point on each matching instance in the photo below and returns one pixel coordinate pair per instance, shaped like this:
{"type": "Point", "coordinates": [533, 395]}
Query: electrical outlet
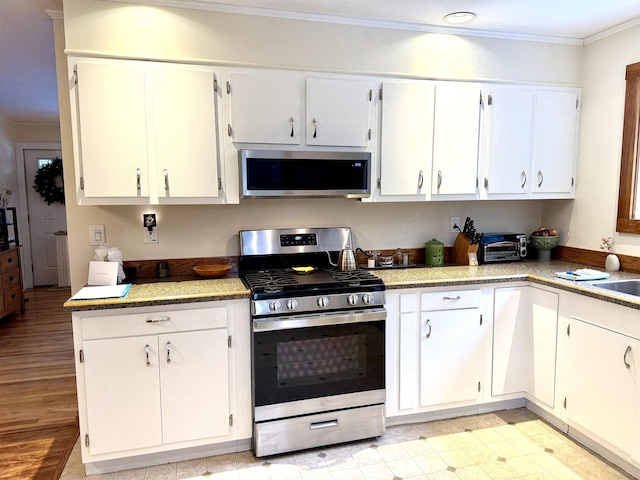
{"type": "Point", "coordinates": [454, 225]}
{"type": "Point", "coordinates": [96, 235]}
{"type": "Point", "coordinates": [151, 235]}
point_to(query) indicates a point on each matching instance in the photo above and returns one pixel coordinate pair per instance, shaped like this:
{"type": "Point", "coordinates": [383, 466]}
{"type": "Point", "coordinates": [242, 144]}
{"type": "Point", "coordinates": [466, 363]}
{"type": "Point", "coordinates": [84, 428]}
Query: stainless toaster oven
{"type": "Point", "coordinates": [502, 247]}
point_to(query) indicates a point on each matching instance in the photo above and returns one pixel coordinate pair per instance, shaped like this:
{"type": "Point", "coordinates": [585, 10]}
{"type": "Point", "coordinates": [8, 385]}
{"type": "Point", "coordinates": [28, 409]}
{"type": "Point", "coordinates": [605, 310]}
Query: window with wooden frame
{"type": "Point", "coordinates": [628, 196]}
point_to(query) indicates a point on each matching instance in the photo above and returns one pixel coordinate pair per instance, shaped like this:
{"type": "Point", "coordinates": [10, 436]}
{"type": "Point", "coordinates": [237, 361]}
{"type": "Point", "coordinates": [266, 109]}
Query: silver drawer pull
{"type": "Point", "coordinates": [457, 297]}
{"type": "Point", "coordinates": [327, 424]}
{"type": "Point", "coordinates": [168, 352]}
{"type": "Point", "coordinates": [158, 320]}
{"type": "Point", "coordinates": [624, 358]}
{"type": "Point", "coordinates": [146, 351]}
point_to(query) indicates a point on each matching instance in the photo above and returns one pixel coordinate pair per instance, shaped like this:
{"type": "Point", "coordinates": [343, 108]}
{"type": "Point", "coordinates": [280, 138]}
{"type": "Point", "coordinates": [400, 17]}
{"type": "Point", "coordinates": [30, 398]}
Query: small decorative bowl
{"type": "Point", "coordinates": [543, 243]}
{"type": "Point", "coordinates": [212, 271]}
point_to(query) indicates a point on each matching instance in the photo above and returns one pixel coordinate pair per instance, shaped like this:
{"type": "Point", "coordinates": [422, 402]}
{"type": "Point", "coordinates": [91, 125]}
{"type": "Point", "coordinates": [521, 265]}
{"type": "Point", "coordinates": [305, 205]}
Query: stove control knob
{"type": "Point", "coordinates": [323, 302]}
{"type": "Point", "coordinates": [352, 299]}
{"type": "Point", "coordinates": [292, 304]}
{"type": "Point", "coordinates": [274, 306]}
{"type": "Point", "coordinates": [367, 298]}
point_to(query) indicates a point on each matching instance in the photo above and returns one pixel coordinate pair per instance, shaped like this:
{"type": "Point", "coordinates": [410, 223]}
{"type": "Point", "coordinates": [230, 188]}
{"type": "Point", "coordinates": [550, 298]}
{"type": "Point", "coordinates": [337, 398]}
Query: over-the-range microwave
{"type": "Point", "coordinates": [280, 174]}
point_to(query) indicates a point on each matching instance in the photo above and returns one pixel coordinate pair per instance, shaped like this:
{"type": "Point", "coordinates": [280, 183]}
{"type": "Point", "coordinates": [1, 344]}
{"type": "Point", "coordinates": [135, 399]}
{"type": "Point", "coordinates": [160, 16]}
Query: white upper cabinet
{"type": "Point", "coordinates": [112, 130]}
{"type": "Point", "coordinates": [406, 139]}
{"type": "Point", "coordinates": [184, 126]}
{"type": "Point", "coordinates": [509, 135]}
{"type": "Point", "coordinates": [268, 107]}
{"type": "Point", "coordinates": [555, 141]}
{"type": "Point", "coordinates": [455, 139]}
{"type": "Point", "coordinates": [265, 107]}
{"type": "Point", "coordinates": [147, 132]}
{"type": "Point", "coordinates": [338, 112]}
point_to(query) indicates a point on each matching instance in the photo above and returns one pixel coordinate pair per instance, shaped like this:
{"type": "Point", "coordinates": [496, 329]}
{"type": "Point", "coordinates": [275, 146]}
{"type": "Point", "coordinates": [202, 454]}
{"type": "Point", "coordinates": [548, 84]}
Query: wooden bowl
{"type": "Point", "coordinates": [212, 271]}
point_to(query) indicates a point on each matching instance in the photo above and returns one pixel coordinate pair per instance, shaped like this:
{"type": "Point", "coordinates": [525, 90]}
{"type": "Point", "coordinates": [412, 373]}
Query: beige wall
{"type": "Point", "coordinates": [593, 214]}
{"type": "Point", "coordinates": [138, 31]}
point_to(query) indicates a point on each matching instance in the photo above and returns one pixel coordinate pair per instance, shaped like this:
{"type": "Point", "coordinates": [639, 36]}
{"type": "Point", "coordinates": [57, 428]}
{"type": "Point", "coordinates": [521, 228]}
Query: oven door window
{"type": "Point", "coordinates": [314, 362]}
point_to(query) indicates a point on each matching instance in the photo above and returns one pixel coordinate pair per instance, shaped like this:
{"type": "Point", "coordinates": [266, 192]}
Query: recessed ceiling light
{"type": "Point", "coordinates": [459, 17]}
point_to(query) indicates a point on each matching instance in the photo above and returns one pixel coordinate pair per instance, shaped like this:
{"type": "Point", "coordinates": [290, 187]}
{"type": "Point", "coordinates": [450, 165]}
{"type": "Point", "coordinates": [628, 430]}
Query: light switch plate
{"type": "Point", "coordinates": [151, 235]}
{"type": "Point", "coordinates": [97, 235]}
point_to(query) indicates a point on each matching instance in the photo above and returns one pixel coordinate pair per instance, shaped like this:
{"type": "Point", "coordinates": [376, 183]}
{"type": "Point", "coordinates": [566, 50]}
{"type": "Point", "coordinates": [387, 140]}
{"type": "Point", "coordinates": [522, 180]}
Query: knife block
{"type": "Point", "coordinates": [461, 250]}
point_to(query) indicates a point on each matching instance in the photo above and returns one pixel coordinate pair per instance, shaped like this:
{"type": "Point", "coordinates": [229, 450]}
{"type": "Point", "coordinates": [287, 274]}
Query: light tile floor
{"type": "Point", "coordinates": [510, 444]}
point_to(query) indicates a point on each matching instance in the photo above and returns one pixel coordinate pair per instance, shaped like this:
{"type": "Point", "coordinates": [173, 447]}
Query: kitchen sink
{"type": "Point", "coordinates": [630, 287]}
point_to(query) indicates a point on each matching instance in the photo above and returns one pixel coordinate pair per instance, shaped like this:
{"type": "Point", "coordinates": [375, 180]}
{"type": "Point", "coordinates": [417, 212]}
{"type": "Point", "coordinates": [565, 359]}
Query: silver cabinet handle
{"type": "Point", "coordinates": [540, 178]}
{"type": "Point", "coordinates": [429, 331]}
{"type": "Point", "coordinates": [315, 128]}
{"type": "Point", "coordinates": [157, 320]}
{"type": "Point", "coordinates": [457, 297]}
{"type": "Point", "coordinates": [523, 177]}
{"type": "Point", "coordinates": [439, 178]}
{"type": "Point", "coordinates": [168, 352]}
{"type": "Point", "coordinates": [624, 358]}
{"type": "Point", "coordinates": [291, 122]}
{"type": "Point", "coordinates": [229, 130]}
{"type": "Point", "coordinates": [166, 179]}
{"type": "Point", "coordinates": [138, 179]}
{"type": "Point", "coordinates": [420, 179]}
{"type": "Point", "coordinates": [147, 351]}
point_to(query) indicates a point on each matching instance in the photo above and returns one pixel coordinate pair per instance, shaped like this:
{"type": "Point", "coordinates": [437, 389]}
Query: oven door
{"type": "Point", "coordinates": [318, 356]}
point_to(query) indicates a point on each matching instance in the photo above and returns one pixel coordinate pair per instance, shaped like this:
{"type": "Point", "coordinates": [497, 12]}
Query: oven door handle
{"type": "Point", "coordinates": [302, 321]}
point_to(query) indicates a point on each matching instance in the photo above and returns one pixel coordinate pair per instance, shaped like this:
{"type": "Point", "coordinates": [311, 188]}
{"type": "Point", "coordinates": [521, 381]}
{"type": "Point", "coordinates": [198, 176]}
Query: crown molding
{"type": "Point", "coordinates": [360, 22]}
{"type": "Point", "coordinates": [55, 14]}
{"type": "Point", "coordinates": [612, 31]}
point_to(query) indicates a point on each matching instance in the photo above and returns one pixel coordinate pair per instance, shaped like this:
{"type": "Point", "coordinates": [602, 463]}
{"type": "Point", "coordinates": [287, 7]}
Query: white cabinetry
{"type": "Point", "coordinates": [406, 139]}
{"type": "Point", "coordinates": [555, 142]}
{"type": "Point", "coordinates": [456, 139]}
{"type": "Point", "coordinates": [603, 392]}
{"type": "Point", "coordinates": [266, 107]}
{"type": "Point", "coordinates": [442, 346]}
{"type": "Point", "coordinates": [146, 132]}
{"type": "Point", "coordinates": [155, 379]}
{"type": "Point", "coordinates": [525, 324]}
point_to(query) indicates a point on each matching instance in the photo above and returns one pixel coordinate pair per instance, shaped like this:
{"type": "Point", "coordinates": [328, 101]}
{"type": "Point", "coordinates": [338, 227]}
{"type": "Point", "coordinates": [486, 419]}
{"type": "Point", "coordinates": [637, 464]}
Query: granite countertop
{"type": "Point", "coordinates": [169, 292]}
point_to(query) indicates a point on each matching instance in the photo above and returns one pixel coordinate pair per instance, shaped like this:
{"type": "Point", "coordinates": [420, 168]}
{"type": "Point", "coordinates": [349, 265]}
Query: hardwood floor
{"type": "Point", "coordinates": [38, 404]}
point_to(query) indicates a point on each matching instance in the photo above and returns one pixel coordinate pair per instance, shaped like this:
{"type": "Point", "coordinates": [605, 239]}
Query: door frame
{"type": "Point", "coordinates": [23, 227]}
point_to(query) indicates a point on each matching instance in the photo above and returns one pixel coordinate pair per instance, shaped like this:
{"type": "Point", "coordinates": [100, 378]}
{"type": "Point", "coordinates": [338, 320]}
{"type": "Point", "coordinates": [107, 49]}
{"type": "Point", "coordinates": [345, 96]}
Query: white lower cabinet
{"type": "Point", "coordinates": [441, 345]}
{"type": "Point", "coordinates": [159, 378]}
{"type": "Point", "coordinates": [603, 387]}
{"type": "Point", "coordinates": [525, 324]}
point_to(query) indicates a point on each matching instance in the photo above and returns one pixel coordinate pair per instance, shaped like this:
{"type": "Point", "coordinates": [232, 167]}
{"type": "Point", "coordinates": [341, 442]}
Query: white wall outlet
{"type": "Point", "coordinates": [97, 235]}
{"type": "Point", "coordinates": [454, 225]}
{"type": "Point", "coordinates": [151, 235]}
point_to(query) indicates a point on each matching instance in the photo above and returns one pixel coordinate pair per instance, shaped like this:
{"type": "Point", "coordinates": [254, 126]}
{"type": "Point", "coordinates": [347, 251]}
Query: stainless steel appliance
{"type": "Point", "coordinates": [318, 341]}
{"type": "Point", "coordinates": [502, 247]}
{"type": "Point", "coordinates": [277, 174]}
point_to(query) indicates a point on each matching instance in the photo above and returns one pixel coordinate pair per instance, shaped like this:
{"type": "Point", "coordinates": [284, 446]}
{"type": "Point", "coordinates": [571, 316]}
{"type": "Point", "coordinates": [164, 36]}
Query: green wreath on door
{"type": "Point", "coordinates": [49, 182]}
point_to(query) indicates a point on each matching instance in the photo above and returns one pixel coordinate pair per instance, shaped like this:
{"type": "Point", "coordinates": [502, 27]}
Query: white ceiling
{"type": "Point", "coordinates": [27, 66]}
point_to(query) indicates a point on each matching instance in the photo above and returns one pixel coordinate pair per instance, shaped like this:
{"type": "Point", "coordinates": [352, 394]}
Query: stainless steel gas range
{"type": "Point", "coordinates": [318, 341]}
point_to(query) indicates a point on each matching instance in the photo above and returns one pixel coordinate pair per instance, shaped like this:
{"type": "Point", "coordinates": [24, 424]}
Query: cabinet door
{"type": "Point", "coordinates": [555, 143]}
{"type": "Point", "coordinates": [451, 362]}
{"type": "Point", "coordinates": [602, 368]}
{"type": "Point", "coordinates": [123, 393]}
{"type": "Point", "coordinates": [455, 138]}
{"type": "Point", "coordinates": [510, 140]}
{"type": "Point", "coordinates": [184, 132]}
{"type": "Point", "coordinates": [194, 368]}
{"type": "Point", "coordinates": [406, 138]}
{"type": "Point", "coordinates": [265, 107]}
{"type": "Point", "coordinates": [338, 112]}
{"type": "Point", "coordinates": [409, 353]}
{"type": "Point", "coordinates": [544, 334]}
{"type": "Point", "coordinates": [112, 129]}
{"type": "Point", "coordinates": [511, 371]}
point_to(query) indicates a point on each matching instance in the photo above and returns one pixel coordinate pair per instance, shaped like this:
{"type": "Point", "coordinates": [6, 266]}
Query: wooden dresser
{"type": "Point", "coordinates": [11, 298]}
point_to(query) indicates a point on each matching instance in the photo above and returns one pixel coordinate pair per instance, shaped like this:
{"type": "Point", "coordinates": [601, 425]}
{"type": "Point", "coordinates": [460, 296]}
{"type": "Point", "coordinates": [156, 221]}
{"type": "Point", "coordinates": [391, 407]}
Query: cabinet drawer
{"type": "Point", "coordinates": [450, 300]}
{"type": "Point", "coordinates": [11, 279]}
{"type": "Point", "coordinates": [154, 322]}
{"type": "Point", "coordinates": [8, 260]}
{"type": "Point", "coordinates": [13, 298]}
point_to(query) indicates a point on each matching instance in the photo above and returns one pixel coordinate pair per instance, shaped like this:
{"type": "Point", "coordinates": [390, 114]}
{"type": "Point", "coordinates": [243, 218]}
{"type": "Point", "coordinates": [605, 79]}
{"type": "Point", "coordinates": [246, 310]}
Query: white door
{"type": "Point", "coordinates": [338, 112]}
{"type": "Point", "coordinates": [406, 142]}
{"type": "Point", "coordinates": [44, 221]}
